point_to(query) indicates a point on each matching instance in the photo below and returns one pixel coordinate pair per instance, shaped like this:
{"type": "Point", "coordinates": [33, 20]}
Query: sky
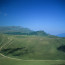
{"type": "Point", "coordinates": [47, 15]}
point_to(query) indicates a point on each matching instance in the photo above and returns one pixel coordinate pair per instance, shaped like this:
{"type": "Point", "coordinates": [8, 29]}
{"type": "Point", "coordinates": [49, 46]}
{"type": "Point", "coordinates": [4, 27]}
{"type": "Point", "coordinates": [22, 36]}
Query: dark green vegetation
{"type": "Point", "coordinates": [62, 48]}
{"type": "Point", "coordinates": [32, 48]}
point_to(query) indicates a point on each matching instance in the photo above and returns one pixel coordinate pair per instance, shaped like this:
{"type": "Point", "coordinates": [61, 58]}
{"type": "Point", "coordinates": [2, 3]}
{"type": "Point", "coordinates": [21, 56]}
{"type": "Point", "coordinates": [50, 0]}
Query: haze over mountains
{"type": "Point", "coordinates": [14, 29]}
{"type": "Point", "coordinates": [18, 30]}
{"type": "Point", "coordinates": [61, 35]}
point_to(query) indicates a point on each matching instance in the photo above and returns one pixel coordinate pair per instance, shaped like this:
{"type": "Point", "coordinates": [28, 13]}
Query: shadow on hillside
{"type": "Point", "coordinates": [15, 51]}
{"type": "Point", "coordinates": [61, 48]}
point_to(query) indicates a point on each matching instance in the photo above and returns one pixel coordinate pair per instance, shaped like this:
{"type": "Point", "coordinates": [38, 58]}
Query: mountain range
{"type": "Point", "coordinates": [6, 29]}
{"type": "Point", "coordinates": [18, 30]}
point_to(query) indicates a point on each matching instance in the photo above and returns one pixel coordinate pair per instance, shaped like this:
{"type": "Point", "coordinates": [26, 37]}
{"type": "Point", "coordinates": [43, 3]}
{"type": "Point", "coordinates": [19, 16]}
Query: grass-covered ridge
{"type": "Point", "coordinates": [34, 47]}
{"type": "Point", "coordinates": [31, 50]}
{"type": "Point", "coordinates": [19, 46]}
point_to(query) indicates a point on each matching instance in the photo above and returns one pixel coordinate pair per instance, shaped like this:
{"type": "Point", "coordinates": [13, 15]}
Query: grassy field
{"type": "Point", "coordinates": [7, 61]}
{"type": "Point", "coordinates": [31, 50]}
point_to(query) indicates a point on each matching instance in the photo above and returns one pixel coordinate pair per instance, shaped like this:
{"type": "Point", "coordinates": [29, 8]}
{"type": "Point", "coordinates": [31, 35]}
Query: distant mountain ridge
{"type": "Point", "coordinates": [40, 33]}
{"type": "Point", "coordinates": [6, 29]}
{"type": "Point", "coordinates": [18, 30]}
{"type": "Point", "coordinates": [61, 35]}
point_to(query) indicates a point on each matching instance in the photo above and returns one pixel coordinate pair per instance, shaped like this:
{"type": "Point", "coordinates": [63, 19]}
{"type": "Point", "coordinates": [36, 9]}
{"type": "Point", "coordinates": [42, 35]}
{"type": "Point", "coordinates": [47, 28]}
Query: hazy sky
{"type": "Point", "coordinates": [47, 15]}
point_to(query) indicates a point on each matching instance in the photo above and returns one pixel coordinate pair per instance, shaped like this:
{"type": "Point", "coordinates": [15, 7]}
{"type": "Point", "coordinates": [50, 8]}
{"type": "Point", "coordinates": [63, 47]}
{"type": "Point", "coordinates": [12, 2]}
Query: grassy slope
{"type": "Point", "coordinates": [40, 48]}
{"type": "Point", "coordinates": [44, 49]}
{"type": "Point", "coordinates": [6, 61]}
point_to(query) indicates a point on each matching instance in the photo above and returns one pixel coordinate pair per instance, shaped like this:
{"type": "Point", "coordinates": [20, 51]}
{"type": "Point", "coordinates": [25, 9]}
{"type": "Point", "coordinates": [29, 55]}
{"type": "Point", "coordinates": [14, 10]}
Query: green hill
{"type": "Point", "coordinates": [34, 47]}
{"type": "Point", "coordinates": [30, 48]}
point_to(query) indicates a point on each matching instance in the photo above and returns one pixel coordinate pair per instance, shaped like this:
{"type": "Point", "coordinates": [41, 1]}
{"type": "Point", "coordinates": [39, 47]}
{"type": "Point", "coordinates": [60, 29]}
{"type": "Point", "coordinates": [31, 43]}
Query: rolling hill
{"type": "Point", "coordinates": [33, 47]}
{"type": "Point", "coordinates": [30, 48]}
